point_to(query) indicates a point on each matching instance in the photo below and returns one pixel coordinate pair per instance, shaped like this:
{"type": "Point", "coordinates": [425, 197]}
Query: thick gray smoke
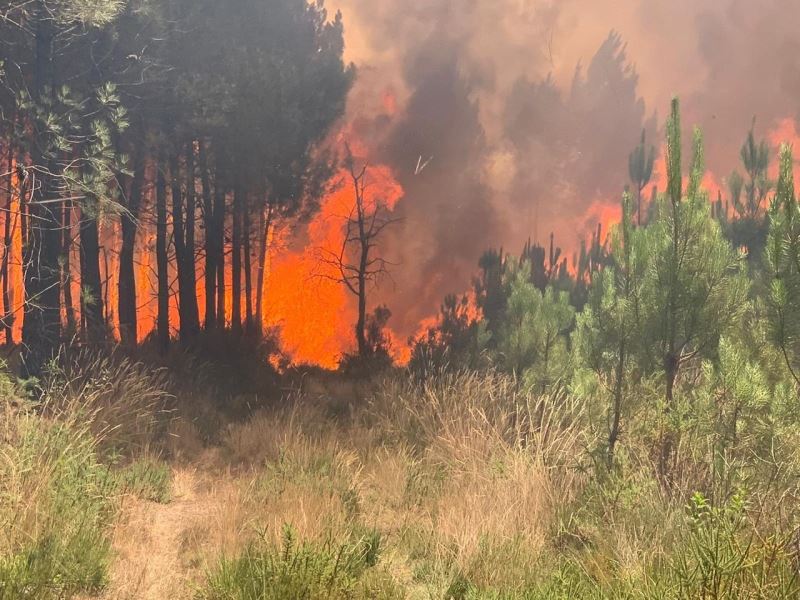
{"type": "Point", "coordinates": [528, 110]}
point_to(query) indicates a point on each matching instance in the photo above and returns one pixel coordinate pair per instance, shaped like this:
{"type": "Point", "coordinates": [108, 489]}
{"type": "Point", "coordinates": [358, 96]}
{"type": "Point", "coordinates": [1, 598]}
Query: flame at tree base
{"type": "Point", "coordinates": [306, 301]}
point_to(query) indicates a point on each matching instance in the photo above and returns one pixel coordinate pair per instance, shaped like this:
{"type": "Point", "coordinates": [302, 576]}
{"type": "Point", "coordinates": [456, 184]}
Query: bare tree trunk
{"type": "Point", "coordinates": [66, 268]}
{"type": "Point", "coordinates": [82, 299]}
{"type": "Point", "coordinates": [7, 243]}
{"type": "Point", "coordinates": [639, 204]}
{"type": "Point", "coordinates": [162, 265]}
{"type": "Point", "coordinates": [236, 261]}
{"type": "Point", "coordinates": [189, 265]}
{"type": "Point", "coordinates": [613, 433]}
{"type": "Point", "coordinates": [669, 438]}
{"type": "Point", "coordinates": [91, 282]}
{"type": "Point", "coordinates": [363, 266]}
{"type": "Point", "coordinates": [222, 293]}
{"type": "Point", "coordinates": [41, 329]}
{"type": "Point", "coordinates": [219, 235]}
{"type": "Point", "coordinates": [211, 241]}
{"type": "Point", "coordinates": [362, 229]}
{"type": "Point", "coordinates": [264, 226]}
{"type": "Point", "coordinates": [248, 273]}
{"type": "Point", "coordinates": [184, 257]}
{"type": "Point", "coordinates": [362, 315]}
{"type": "Point", "coordinates": [107, 302]}
{"type": "Point", "coordinates": [178, 241]}
{"type": "Point", "coordinates": [23, 208]}
{"type": "Point", "coordinates": [128, 321]}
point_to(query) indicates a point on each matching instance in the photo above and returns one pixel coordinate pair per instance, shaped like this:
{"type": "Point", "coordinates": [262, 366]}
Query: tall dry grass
{"type": "Point", "coordinates": [59, 480]}
{"type": "Point", "coordinates": [463, 477]}
{"type": "Point", "coordinates": [125, 403]}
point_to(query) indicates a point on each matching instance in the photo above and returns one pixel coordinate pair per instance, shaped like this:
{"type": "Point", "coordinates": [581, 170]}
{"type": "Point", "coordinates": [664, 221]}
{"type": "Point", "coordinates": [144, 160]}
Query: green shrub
{"type": "Point", "coordinates": [722, 555]}
{"type": "Point", "coordinates": [56, 501]}
{"type": "Point", "coordinates": [304, 570]}
{"type": "Point", "coordinates": [147, 479]}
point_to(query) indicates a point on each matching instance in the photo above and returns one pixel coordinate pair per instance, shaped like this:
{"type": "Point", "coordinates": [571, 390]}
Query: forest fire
{"type": "Point", "coordinates": [375, 299]}
{"type": "Point", "coordinates": [434, 135]}
{"type": "Point", "coordinates": [309, 305]}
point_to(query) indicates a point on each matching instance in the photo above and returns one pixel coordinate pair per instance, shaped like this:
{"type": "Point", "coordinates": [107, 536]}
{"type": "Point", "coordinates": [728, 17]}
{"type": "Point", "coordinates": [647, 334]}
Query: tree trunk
{"type": "Point", "coordinates": [91, 282]}
{"type": "Point", "coordinates": [162, 266]}
{"type": "Point", "coordinates": [222, 315]}
{"type": "Point", "coordinates": [219, 236]}
{"type": "Point", "coordinates": [362, 278]}
{"type": "Point", "coordinates": [128, 321]}
{"type": "Point", "coordinates": [613, 433]}
{"type": "Point", "coordinates": [41, 330]}
{"type": "Point", "coordinates": [82, 299]}
{"type": "Point", "coordinates": [66, 269]}
{"type": "Point", "coordinates": [362, 317]}
{"type": "Point", "coordinates": [639, 204]}
{"type": "Point", "coordinates": [107, 315]}
{"type": "Point", "coordinates": [189, 265]}
{"type": "Point", "coordinates": [263, 248]}
{"type": "Point", "coordinates": [236, 261]}
{"type": "Point", "coordinates": [668, 440]}
{"type": "Point", "coordinates": [178, 241]}
{"type": "Point", "coordinates": [23, 208]}
{"type": "Point", "coordinates": [7, 321]}
{"type": "Point", "coordinates": [184, 256]}
{"type": "Point", "coordinates": [211, 241]}
{"type": "Point", "coordinates": [248, 274]}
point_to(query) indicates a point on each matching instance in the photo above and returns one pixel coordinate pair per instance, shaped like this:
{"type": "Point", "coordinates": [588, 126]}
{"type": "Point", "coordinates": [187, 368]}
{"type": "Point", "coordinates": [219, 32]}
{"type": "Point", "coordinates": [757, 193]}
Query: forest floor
{"type": "Point", "coordinates": [149, 561]}
{"type": "Point", "coordinates": [451, 503]}
{"type": "Point", "coordinates": [158, 547]}
{"type": "Point", "coordinates": [464, 489]}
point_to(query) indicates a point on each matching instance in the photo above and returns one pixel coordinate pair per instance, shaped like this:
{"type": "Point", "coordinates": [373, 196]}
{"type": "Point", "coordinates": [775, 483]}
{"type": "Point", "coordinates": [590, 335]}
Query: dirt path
{"type": "Point", "coordinates": [148, 543]}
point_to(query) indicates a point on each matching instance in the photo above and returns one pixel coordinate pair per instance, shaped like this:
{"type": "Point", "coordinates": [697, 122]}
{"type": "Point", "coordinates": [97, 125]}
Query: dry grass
{"type": "Point", "coordinates": [61, 477]}
{"type": "Point", "coordinates": [458, 480]}
{"type": "Point", "coordinates": [125, 404]}
{"type": "Point", "coordinates": [472, 488]}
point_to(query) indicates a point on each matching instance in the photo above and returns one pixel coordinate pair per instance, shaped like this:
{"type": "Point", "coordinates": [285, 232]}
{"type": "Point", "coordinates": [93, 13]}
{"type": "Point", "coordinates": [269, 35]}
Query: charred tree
{"type": "Point", "coordinates": [236, 261]}
{"type": "Point", "coordinates": [248, 273]}
{"type": "Point", "coordinates": [162, 264]}
{"type": "Point", "coordinates": [7, 318]}
{"type": "Point", "coordinates": [211, 251]}
{"type": "Point", "coordinates": [128, 322]}
{"type": "Point", "coordinates": [184, 250]}
{"type": "Point", "coordinates": [357, 263]}
{"type": "Point", "coordinates": [41, 330]}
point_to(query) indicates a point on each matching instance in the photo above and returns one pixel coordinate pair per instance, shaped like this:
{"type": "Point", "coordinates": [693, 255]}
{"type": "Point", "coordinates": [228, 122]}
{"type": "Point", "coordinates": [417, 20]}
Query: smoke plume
{"type": "Point", "coordinates": [525, 112]}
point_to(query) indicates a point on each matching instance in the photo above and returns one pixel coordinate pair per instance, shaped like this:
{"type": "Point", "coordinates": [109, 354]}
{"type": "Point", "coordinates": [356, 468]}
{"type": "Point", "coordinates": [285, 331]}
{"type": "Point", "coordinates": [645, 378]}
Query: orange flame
{"type": "Point", "coordinates": [305, 299]}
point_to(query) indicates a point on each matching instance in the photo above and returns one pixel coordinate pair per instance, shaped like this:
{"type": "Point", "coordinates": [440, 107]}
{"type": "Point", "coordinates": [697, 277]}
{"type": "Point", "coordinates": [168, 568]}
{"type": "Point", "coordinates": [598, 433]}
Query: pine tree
{"type": "Point", "coordinates": [65, 140]}
{"type": "Point", "coordinates": [747, 196]}
{"type": "Point", "coordinates": [755, 158]}
{"type": "Point", "coordinates": [532, 339]}
{"type": "Point", "coordinates": [640, 170]}
{"type": "Point", "coordinates": [783, 266]}
{"type": "Point", "coordinates": [490, 290]}
{"type": "Point", "coordinates": [606, 340]}
{"type": "Point", "coordinates": [695, 288]}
